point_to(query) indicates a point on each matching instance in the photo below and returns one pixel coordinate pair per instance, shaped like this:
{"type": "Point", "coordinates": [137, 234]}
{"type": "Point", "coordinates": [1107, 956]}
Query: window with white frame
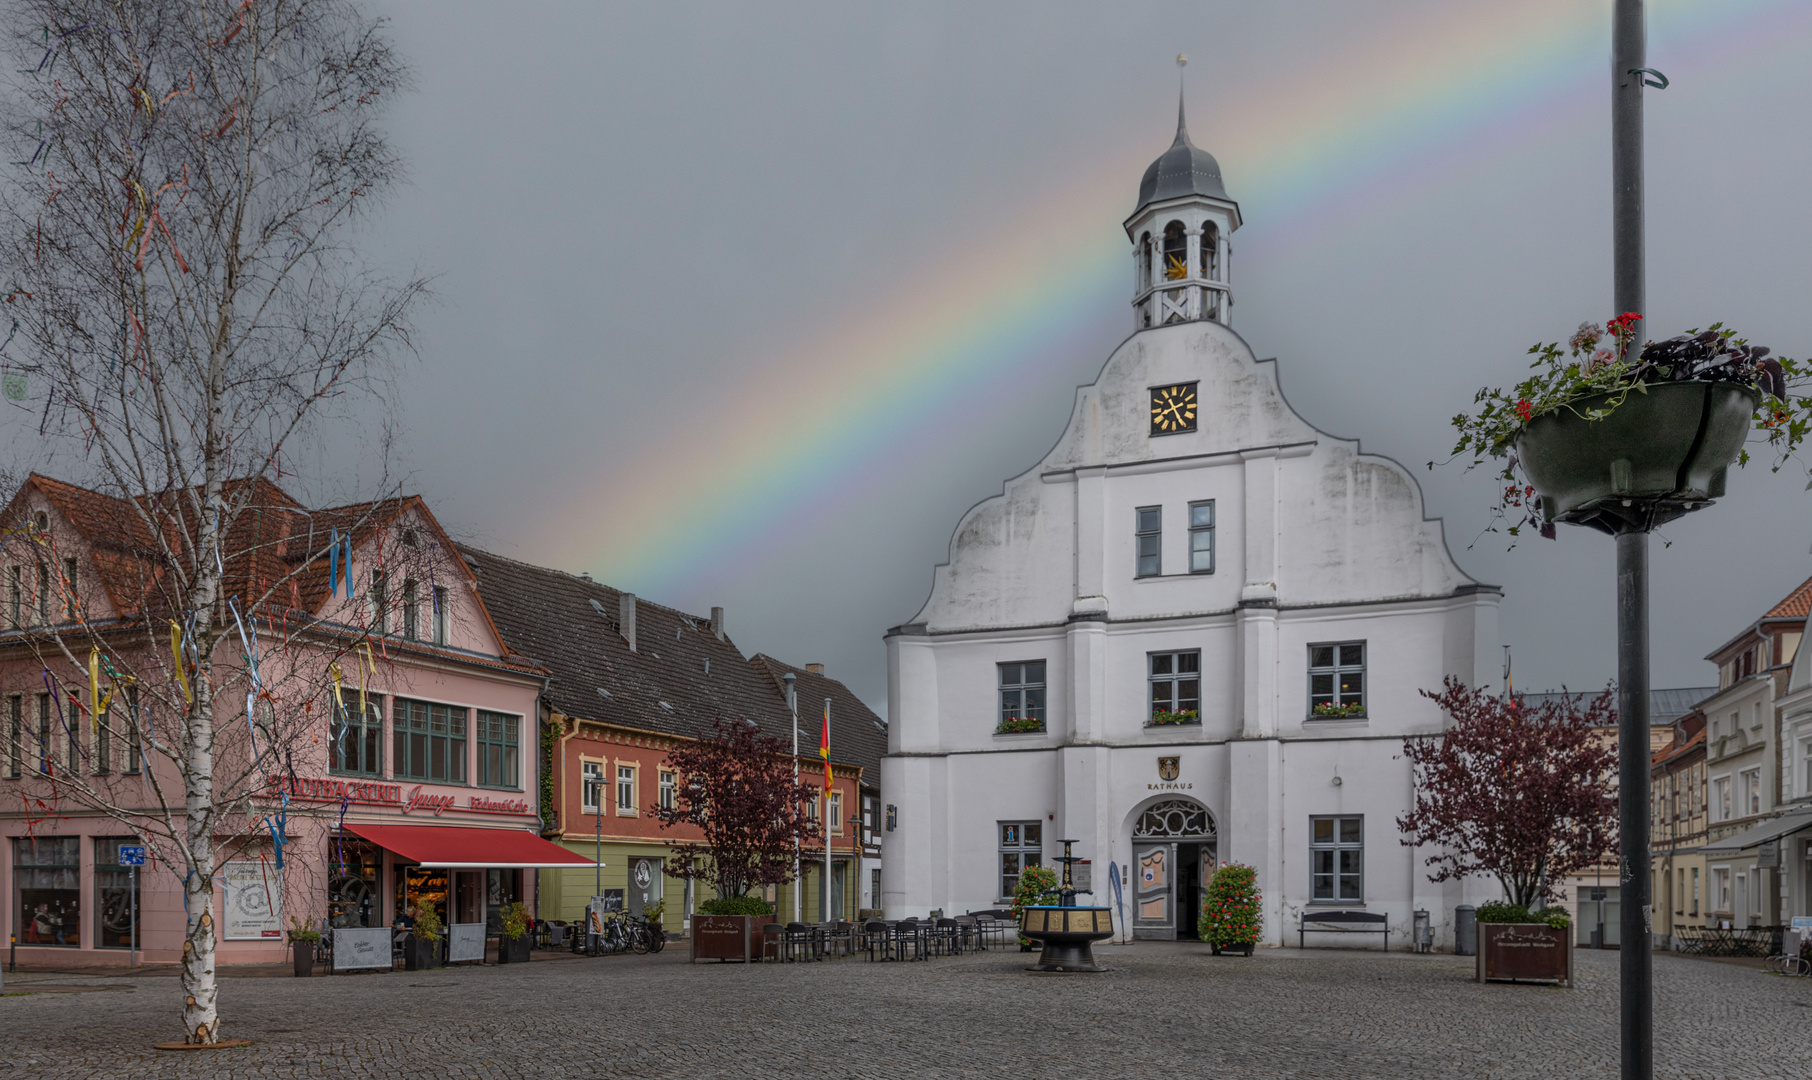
{"type": "Point", "coordinates": [669, 785]}
{"type": "Point", "coordinates": [591, 791]}
{"type": "Point", "coordinates": [1176, 686]}
{"type": "Point", "coordinates": [836, 812]}
{"type": "Point", "coordinates": [625, 790]}
{"type": "Point", "coordinates": [411, 610]}
{"type": "Point", "coordinates": [1695, 890]}
{"type": "Point", "coordinates": [1751, 784]}
{"type": "Point", "coordinates": [15, 735]}
{"type": "Point", "coordinates": [1720, 887]}
{"type": "Point", "coordinates": [440, 614]}
{"type": "Point", "coordinates": [380, 601]}
{"type": "Point", "coordinates": [1337, 858]}
{"type": "Point", "coordinates": [1021, 845]}
{"type": "Point", "coordinates": [1022, 696]}
{"type": "Point", "coordinates": [1201, 537]}
{"type": "Point", "coordinates": [1720, 798]}
{"type": "Point", "coordinates": [1148, 533]}
{"type": "Point", "coordinates": [1337, 679]}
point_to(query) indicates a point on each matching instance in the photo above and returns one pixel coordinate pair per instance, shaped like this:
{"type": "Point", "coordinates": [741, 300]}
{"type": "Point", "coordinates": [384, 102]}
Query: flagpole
{"type": "Point", "coordinates": [825, 750]}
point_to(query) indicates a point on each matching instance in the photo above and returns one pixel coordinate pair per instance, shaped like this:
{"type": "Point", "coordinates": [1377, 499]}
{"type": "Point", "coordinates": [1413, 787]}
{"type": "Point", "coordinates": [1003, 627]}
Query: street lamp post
{"type": "Point", "coordinates": [1635, 960]}
{"type": "Point", "coordinates": [792, 704]}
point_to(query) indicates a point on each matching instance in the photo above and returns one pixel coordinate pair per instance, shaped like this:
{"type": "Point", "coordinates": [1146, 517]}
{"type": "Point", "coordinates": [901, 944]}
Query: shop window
{"type": "Point", "coordinates": [668, 784]}
{"type": "Point", "coordinates": [591, 790]}
{"type": "Point", "coordinates": [1022, 696]}
{"type": "Point", "coordinates": [1176, 686]}
{"type": "Point", "coordinates": [497, 750]}
{"type": "Point", "coordinates": [1021, 846]}
{"type": "Point", "coordinates": [352, 884]}
{"type": "Point", "coordinates": [1337, 858]}
{"type": "Point", "coordinates": [1337, 680]}
{"type": "Point", "coordinates": [430, 741]}
{"type": "Point", "coordinates": [114, 894]}
{"type": "Point", "coordinates": [47, 890]}
{"type": "Point", "coordinates": [625, 790]}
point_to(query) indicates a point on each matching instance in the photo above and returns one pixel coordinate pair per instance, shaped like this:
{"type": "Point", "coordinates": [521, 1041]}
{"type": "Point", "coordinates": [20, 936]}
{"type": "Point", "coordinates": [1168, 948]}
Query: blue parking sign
{"type": "Point", "coordinates": [132, 855]}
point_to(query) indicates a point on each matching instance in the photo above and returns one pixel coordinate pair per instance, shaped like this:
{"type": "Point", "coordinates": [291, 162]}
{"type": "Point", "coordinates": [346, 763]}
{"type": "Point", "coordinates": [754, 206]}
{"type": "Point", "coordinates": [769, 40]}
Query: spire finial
{"type": "Point", "coordinates": [1182, 130]}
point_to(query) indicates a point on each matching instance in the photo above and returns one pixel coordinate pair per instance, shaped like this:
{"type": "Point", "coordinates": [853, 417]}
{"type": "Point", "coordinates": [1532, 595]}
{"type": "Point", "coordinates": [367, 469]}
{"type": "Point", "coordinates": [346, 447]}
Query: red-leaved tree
{"type": "Point", "coordinates": [740, 792]}
{"type": "Point", "coordinates": [1523, 792]}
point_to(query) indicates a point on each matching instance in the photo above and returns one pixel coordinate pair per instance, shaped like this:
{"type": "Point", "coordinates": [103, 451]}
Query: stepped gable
{"type": "Point", "coordinates": [858, 736]}
{"type": "Point", "coordinates": [548, 614]}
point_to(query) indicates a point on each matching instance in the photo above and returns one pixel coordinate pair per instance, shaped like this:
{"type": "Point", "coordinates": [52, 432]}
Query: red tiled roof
{"type": "Point", "coordinates": [1797, 605]}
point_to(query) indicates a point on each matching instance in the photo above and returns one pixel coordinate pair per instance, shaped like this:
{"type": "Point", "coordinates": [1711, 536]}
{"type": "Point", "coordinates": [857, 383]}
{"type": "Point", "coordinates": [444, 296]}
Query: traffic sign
{"type": "Point", "coordinates": [132, 855]}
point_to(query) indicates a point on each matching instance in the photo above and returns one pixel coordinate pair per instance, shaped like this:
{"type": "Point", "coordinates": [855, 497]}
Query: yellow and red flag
{"type": "Point", "coordinates": [824, 752]}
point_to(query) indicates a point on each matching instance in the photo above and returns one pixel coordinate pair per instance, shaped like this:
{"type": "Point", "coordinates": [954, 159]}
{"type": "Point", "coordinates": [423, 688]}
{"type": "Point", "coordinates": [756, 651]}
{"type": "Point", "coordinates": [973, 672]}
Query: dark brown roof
{"type": "Point", "coordinates": [857, 735]}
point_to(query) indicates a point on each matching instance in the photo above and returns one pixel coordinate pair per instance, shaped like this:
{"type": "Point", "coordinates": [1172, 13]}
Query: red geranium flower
{"type": "Point", "coordinates": [1523, 409]}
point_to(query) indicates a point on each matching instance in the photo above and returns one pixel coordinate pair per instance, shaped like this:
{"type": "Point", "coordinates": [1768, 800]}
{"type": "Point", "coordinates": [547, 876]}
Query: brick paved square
{"type": "Point", "coordinates": [1167, 1009]}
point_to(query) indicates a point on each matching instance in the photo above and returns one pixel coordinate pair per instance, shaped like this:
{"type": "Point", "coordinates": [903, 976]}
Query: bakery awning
{"type": "Point", "coordinates": [1772, 829]}
{"type": "Point", "coordinates": [463, 847]}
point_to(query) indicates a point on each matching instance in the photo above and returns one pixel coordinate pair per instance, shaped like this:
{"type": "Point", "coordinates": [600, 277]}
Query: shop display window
{"type": "Point", "coordinates": [47, 891]}
{"type": "Point", "coordinates": [352, 883]}
{"type": "Point", "coordinates": [113, 894]}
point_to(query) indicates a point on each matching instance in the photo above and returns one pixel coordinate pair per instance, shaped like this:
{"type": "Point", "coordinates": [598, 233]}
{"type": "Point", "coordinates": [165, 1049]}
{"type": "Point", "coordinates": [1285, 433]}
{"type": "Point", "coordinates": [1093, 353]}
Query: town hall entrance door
{"type": "Point", "coordinates": [1174, 855]}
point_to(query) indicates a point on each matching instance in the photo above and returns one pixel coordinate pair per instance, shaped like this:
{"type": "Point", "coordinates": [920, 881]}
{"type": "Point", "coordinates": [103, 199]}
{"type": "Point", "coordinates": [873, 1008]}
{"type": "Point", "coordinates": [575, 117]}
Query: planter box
{"type": "Point", "coordinates": [727, 937]}
{"type": "Point", "coordinates": [513, 950]}
{"type": "Point", "coordinates": [420, 955]}
{"type": "Point", "coordinates": [1525, 952]}
{"type": "Point", "coordinates": [1668, 447]}
{"type": "Point", "coordinates": [304, 955]}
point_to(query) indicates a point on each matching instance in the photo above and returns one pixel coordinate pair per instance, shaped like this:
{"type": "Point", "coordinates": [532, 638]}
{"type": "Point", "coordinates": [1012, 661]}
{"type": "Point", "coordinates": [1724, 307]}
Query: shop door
{"type": "Point", "coordinates": [644, 884]}
{"type": "Point", "coordinates": [1154, 891]}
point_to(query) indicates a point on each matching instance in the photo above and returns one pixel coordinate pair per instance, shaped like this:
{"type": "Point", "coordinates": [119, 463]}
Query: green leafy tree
{"type": "Point", "coordinates": [1230, 913]}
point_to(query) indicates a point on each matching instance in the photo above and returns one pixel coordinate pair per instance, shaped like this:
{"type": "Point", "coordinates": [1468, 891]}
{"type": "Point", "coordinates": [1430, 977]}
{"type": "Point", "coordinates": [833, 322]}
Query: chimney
{"type": "Point", "coordinates": [626, 619]}
{"type": "Point", "coordinates": [815, 669]}
{"type": "Point", "coordinates": [717, 623]}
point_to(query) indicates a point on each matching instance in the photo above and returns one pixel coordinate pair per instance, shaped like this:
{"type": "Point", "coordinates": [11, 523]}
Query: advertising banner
{"type": "Point", "coordinates": [465, 941]}
{"type": "Point", "coordinates": [252, 909]}
{"type": "Point", "coordinates": [356, 947]}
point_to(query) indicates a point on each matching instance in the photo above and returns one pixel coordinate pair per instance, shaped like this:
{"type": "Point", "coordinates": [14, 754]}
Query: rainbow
{"type": "Point", "coordinates": [816, 426]}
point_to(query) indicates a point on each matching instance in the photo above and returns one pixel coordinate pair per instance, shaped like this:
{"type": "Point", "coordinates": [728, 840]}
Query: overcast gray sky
{"type": "Point", "coordinates": [744, 304]}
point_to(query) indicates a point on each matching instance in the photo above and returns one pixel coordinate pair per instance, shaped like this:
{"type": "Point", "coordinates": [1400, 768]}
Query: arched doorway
{"type": "Point", "coordinates": [1174, 854]}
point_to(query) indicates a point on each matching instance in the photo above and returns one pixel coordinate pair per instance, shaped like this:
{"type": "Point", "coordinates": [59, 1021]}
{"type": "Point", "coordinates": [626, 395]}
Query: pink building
{"type": "Point", "coordinates": [395, 733]}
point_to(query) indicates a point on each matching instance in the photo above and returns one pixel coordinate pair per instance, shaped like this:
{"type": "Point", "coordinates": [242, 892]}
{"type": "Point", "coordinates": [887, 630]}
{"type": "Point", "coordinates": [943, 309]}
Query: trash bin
{"type": "Point", "coordinates": [1424, 933]}
{"type": "Point", "coordinates": [1465, 930]}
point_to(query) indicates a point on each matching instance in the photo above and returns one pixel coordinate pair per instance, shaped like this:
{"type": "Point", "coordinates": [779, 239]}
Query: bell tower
{"type": "Point", "coordinates": [1179, 233]}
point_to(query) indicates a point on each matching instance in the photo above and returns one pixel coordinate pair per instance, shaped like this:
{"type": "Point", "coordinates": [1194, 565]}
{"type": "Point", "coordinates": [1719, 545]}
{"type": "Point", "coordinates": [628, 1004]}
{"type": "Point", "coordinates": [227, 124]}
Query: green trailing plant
{"type": "Point", "coordinates": [1328, 710]}
{"type": "Point", "coordinates": [515, 920]}
{"type": "Point", "coordinates": [1014, 725]}
{"type": "Point", "coordinates": [1499, 911]}
{"type": "Point", "coordinates": [735, 905]}
{"type": "Point", "coordinates": [1594, 375]}
{"type": "Point", "coordinates": [1230, 907]}
{"type": "Point", "coordinates": [301, 931]}
{"type": "Point", "coordinates": [1164, 717]}
{"type": "Point", "coordinates": [550, 808]}
{"type": "Point", "coordinates": [656, 911]}
{"type": "Point", "coordinates": [1037, 888]}
{"type": "Point", "coordinates": [428, 926]}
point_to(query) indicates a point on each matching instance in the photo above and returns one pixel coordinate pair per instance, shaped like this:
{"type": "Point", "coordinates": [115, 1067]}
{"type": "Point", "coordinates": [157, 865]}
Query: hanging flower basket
{"type": "Point", "coordinates": [1621, 442]}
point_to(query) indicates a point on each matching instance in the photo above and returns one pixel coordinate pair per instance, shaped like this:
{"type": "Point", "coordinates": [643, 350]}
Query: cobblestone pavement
{"type": "Point", "coordinates": [1164, 1010]}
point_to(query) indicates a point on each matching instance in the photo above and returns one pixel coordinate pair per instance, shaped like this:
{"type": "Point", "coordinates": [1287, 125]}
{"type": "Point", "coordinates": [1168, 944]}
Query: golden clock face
{"type": "Point", "coordinates": [1173, 409]}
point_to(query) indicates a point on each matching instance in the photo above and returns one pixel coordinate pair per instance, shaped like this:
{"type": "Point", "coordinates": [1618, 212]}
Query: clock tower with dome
{"type": "Point", "coordinates": [1179, 232]}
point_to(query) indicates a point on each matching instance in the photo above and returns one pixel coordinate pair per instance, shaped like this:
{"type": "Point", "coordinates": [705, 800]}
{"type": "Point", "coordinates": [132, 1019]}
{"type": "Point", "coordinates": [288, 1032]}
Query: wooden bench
{"type": "Point", "coordinates": [1343, 922]}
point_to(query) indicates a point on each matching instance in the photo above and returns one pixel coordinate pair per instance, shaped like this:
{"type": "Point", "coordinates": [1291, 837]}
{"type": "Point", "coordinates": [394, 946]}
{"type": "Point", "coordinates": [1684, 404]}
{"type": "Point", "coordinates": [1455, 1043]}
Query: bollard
{"type": "Point", "coordinates": [1465, 930]}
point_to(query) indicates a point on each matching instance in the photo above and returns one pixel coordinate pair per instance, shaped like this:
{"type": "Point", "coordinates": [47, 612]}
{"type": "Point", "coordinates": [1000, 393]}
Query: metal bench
{"type": "Point", "coordinates": [1343, 922]}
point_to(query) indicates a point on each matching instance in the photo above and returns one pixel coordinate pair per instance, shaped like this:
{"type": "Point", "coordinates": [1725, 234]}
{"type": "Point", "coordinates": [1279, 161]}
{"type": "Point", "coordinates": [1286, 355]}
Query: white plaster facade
{"type": "Point", "coordinates": [1314, 542]}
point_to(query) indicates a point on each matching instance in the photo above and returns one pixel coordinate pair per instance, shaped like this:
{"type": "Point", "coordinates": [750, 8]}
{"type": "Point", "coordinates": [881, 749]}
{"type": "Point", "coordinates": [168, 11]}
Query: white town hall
{"type": "Point", "coordinates": [1194, 633]}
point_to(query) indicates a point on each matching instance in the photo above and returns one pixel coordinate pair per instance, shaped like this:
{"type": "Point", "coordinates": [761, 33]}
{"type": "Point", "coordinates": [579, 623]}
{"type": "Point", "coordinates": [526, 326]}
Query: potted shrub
{"type": "Point", "coordinates": [513, 943]}
{"type": "Point", "coordinates": [1519, 945]}
{"type": "Point", "coordinates": [302, 941]}
{"type": "Point", "coordinates": [1037, 887]}
{"type": "Point", "coordinates": [422, 950]}
{"type": "Point", "coordinates": [1231, 920]}
{"type": "Point", "coordinates": [1596, 437]}
{"type": "Point", "coordinates": [729, 927]}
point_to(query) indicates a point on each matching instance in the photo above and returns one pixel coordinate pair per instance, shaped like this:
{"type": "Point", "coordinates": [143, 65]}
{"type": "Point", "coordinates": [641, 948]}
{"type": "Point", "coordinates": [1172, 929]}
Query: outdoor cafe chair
{"type": "Point", "coordinates": [908, 938]}
{"type": "Point", "coordinates": [842, 937]}
{"type": "Point", "coordinates": [773, 936]}
{"type": "Point", "coordinates": [800, 937]}
{"type": "Point", "coordinates": [946, 937]}
{"type": "Point", "coordinates": [876, 935]}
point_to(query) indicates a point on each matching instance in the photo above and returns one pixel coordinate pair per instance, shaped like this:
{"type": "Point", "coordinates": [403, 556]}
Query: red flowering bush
{"type": "Point", "coordinates": [1230, 913]}
{"type": "Point", "coordinates": [1037, 888]}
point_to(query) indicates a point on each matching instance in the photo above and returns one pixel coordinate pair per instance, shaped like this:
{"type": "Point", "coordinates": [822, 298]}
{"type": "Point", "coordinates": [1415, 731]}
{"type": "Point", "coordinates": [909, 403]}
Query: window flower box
{"type": "Point", "coordinates": [1332, 711]}
{"type": "Point", "coordinates": [1019, 725]}
{"type": "Point", "coordinates": [1167, 718]}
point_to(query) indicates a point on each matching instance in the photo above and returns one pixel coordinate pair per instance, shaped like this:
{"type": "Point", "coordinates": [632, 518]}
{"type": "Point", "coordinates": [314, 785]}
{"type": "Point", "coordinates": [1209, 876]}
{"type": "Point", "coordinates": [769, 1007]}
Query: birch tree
{"type": "Point", "coordinates": [189, 316]}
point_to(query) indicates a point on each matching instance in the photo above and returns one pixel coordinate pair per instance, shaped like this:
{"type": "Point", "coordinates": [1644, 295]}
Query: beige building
{"type": "Point", "coordinates": [1677, 821]}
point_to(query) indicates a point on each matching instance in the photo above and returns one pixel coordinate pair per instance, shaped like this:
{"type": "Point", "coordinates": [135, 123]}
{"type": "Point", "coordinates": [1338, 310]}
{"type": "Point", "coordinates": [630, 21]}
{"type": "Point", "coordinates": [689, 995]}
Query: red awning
{"type": "Point", "coordinates": [460, 847]}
